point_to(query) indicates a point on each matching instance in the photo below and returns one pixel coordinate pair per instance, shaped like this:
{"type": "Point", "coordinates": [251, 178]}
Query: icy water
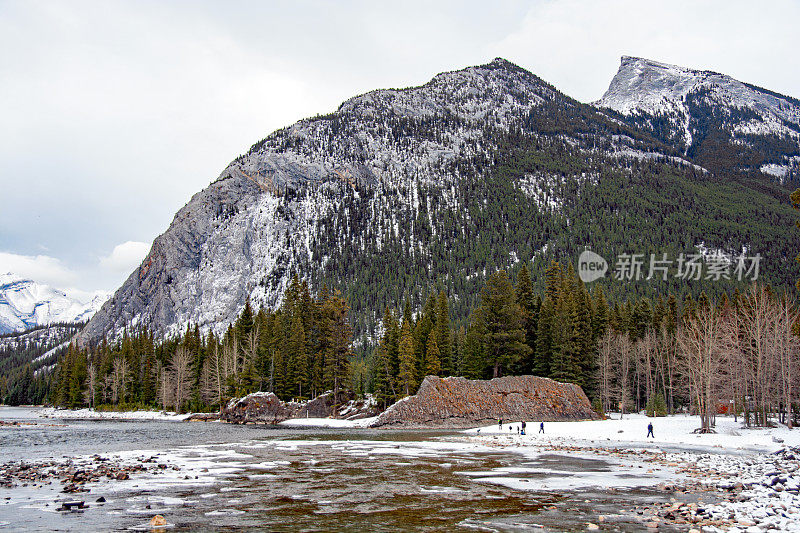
{"type": "Point", "coordinates": [268, 479]}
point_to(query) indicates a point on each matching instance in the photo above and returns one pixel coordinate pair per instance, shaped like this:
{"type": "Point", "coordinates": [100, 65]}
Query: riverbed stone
{"type": "Point", "coordinates": [259, 407]}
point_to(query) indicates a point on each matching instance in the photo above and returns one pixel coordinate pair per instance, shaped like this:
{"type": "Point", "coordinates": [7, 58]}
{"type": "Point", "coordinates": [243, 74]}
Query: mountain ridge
{"type": "Point", "coordinates": [25, 304]}
{"type": "Point", "coordinates": [416, 186]}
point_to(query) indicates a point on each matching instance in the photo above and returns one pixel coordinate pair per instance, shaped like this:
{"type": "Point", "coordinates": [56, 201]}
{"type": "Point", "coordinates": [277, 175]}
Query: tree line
{"type": "Point", "coordinates": [298, 351]}
{"type": "Point", "coordinates": [737, 354]}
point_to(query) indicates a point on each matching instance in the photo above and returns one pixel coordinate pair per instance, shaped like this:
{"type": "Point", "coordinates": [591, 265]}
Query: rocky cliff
{"type": "Point", "coordinates": [457, 402]}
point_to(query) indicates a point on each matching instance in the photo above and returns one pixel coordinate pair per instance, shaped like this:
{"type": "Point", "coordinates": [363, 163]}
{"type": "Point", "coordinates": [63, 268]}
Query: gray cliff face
{"type": "Point", "coordinates": [698, 104]}
{"type": "Point", "coordinates": [261, 220]}
{"type": "Point", "coordinates": [163, 289]}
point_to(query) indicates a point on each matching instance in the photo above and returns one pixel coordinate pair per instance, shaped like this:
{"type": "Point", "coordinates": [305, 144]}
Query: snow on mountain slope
{"type": "Point", "coordinates": [25, 304]}
{"type": "Point", "coordinates": [322, 188]}
{"type": "Point", "coordinates": [394, 192]}
{"type": "Point", "coordinates": [693, 102]}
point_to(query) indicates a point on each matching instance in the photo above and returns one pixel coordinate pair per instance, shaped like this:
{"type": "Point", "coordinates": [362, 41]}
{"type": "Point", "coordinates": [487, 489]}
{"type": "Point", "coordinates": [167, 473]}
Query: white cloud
{"type": "Point", "coordinates": [125, 257]}
{"type": "Point", "coordinates": [41, 268]}
{"type": "Point", "coordinates": [119, 111]}
{"type": "Point", "coordinates": [577, 44]}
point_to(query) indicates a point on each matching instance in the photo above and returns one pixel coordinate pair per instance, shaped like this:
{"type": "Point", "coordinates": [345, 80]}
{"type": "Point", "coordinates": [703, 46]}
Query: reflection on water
{"type": "Point", "coordinates": [250, 477]}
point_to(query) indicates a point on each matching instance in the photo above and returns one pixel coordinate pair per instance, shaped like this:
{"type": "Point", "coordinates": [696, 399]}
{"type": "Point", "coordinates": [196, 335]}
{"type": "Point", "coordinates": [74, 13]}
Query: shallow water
{"type": "Point", "coordinates": [290, 479]}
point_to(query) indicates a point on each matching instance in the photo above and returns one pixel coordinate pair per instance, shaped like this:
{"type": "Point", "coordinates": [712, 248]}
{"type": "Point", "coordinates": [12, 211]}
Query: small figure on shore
{"type": "Point", "coordinates": [650, 430]}
{"type": "Point", "coordinates": [499, 423]}
{"type": "Point", "coordinates": [522, 432]}
{"type": "Point", "coordinates": [541, 427]}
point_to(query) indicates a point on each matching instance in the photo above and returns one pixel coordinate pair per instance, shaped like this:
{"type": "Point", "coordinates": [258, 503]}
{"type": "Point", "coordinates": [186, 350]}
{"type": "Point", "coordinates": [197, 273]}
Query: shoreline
{"type": "Point", "coordinates": [735, 480]}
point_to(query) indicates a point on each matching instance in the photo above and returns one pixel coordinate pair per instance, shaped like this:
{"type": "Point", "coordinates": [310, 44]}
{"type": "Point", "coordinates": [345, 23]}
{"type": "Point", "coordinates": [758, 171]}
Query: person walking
{"type": "Point", "coordinates": [500, 423]}
{"type": "Point", "coordinates": [541, 427]}
{"type": "Point", "coordinates": [523, 427]}
{"type": "Point", "coordinates": [650, 430]}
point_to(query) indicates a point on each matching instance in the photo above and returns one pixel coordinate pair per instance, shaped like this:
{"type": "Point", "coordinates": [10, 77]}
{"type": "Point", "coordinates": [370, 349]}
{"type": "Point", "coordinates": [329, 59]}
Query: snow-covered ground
{"type": "Point", "coordinates": [327, 422]}
{"type": "Point", "coordinates": [670, 432]}
{"type": "Point", "coordinates": [91, 414]}
{"type": "Point", "coordinates": [753, 475]}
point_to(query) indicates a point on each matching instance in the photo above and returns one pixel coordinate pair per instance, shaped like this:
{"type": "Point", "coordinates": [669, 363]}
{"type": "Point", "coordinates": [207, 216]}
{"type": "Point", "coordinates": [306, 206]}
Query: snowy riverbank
{"type": "Point", "coordinates": [327, 422]}
{"type": "Point", "coordinates": [748, 478]}
{"type": "Point", "coordinates": [670, 432]}
{"type": "Point", "coordinates": [91, 414]}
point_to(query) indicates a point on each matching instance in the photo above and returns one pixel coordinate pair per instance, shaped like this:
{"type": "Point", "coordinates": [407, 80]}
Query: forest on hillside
{"type": "Point", "coordinates": [737, 353]}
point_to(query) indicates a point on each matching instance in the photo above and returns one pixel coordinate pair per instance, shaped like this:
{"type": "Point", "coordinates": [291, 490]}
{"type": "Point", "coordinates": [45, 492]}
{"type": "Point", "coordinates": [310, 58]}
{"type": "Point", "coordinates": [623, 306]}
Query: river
{"type": "Point", "coordinates": [290, 479]}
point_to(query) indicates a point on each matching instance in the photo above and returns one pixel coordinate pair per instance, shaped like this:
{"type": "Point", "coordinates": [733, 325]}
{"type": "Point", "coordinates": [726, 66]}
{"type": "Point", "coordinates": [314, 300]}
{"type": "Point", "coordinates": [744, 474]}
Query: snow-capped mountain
{"type": "Point", "coordinates": [25, 304]}
{"type": "Point", "coordinates": [400, 192]}
{"type": "Point", "coordinates": [702, 110]}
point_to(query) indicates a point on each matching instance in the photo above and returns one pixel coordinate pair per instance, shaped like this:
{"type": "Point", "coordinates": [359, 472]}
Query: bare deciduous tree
{"type": "Point", "coordinates": [180, 364]}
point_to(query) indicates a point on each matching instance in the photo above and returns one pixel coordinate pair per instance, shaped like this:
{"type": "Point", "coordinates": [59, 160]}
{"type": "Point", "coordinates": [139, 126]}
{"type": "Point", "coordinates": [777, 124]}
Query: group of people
{"type": "Point", "coordinates": [521, 428]}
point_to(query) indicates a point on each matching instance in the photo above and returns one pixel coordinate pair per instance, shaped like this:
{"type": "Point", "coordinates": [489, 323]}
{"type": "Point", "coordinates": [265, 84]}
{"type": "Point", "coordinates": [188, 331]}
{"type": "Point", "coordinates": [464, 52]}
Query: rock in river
{"type": "Point", "coordinates": [456, 402]}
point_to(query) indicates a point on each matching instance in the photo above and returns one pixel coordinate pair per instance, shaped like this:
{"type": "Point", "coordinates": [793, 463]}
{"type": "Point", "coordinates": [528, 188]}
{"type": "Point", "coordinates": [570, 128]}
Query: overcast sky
{"type": "Point", "coordinates": [112, 114]}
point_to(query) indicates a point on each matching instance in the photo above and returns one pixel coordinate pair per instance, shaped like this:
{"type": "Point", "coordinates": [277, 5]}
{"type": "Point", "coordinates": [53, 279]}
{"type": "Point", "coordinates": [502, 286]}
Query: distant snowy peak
{"type": "Point", "coordinates": [642, 85]}
{"type": "Point", "coordinates": [692, 103]}
{"type": "Point", "coordinates": [646, 86]}
{"type": "Point", "coordinates": [25, 304]}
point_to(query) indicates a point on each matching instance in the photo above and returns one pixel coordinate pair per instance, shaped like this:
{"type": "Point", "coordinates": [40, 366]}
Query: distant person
{"type": "Point", "coordinates": [523, 428]}
{"type": "Point", "coordinates": [541, 427]}
{"type": "Point", "coordinates": [650, 430]}
{"type": "Point", "coordinates": [500, 423]}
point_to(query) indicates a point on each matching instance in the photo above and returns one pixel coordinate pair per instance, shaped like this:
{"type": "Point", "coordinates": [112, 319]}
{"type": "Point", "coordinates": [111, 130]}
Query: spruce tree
{"type": "Point", "coordinates": [337, 360]}
{"type": "Point", "coordinates": [406, 377]}
{"type": "Point", "coordinates": [530, 304]}
{"type": "Point", "coordinates": [298, 357]}
{"type": "Point", "coordinates": [505, 338]}
{"type": "Point", "coordinates": [544, 338]}
{"type": "Point", "coordinates": [443, 334]}
{"type": "Point", "coordinates": [433, 365]}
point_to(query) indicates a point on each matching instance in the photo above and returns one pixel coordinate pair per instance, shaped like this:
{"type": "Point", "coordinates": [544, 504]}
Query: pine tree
{"type": "Point", "coordinates": [600, 313]}
{"type": "Point", "coordinates": [544, 338]}
{"type": "Point", "coordinates": [586, 343]}
{"type": "Point", "coordinates": [337, 360]}
{"type": "Point", "coordinates": [433, 365]}
{"type": "Point", "coordinates": [407, 372]}
{"type": "Point", "coordinates": [298, 357]}
{"type": "Point", "coordinates": [530, 305]}
{"type": "Point", "coordinates": [422, 330]}
{"type": "Point", "coordinates": [505, 338]}
{"type": "Point", "coordinates": [564, 358]}
{"type": "Point", "coordinates": [443, 334]}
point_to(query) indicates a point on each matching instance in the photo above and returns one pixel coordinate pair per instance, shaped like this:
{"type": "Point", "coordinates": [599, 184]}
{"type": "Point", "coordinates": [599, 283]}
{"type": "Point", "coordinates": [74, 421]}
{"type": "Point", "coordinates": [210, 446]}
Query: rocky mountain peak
{"type": "Point", "coordinates": [494, 91]}
{"type": "Point", "coordinates": [644, 85]}
{"type": "Point", "coordinates": [684, 106]}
